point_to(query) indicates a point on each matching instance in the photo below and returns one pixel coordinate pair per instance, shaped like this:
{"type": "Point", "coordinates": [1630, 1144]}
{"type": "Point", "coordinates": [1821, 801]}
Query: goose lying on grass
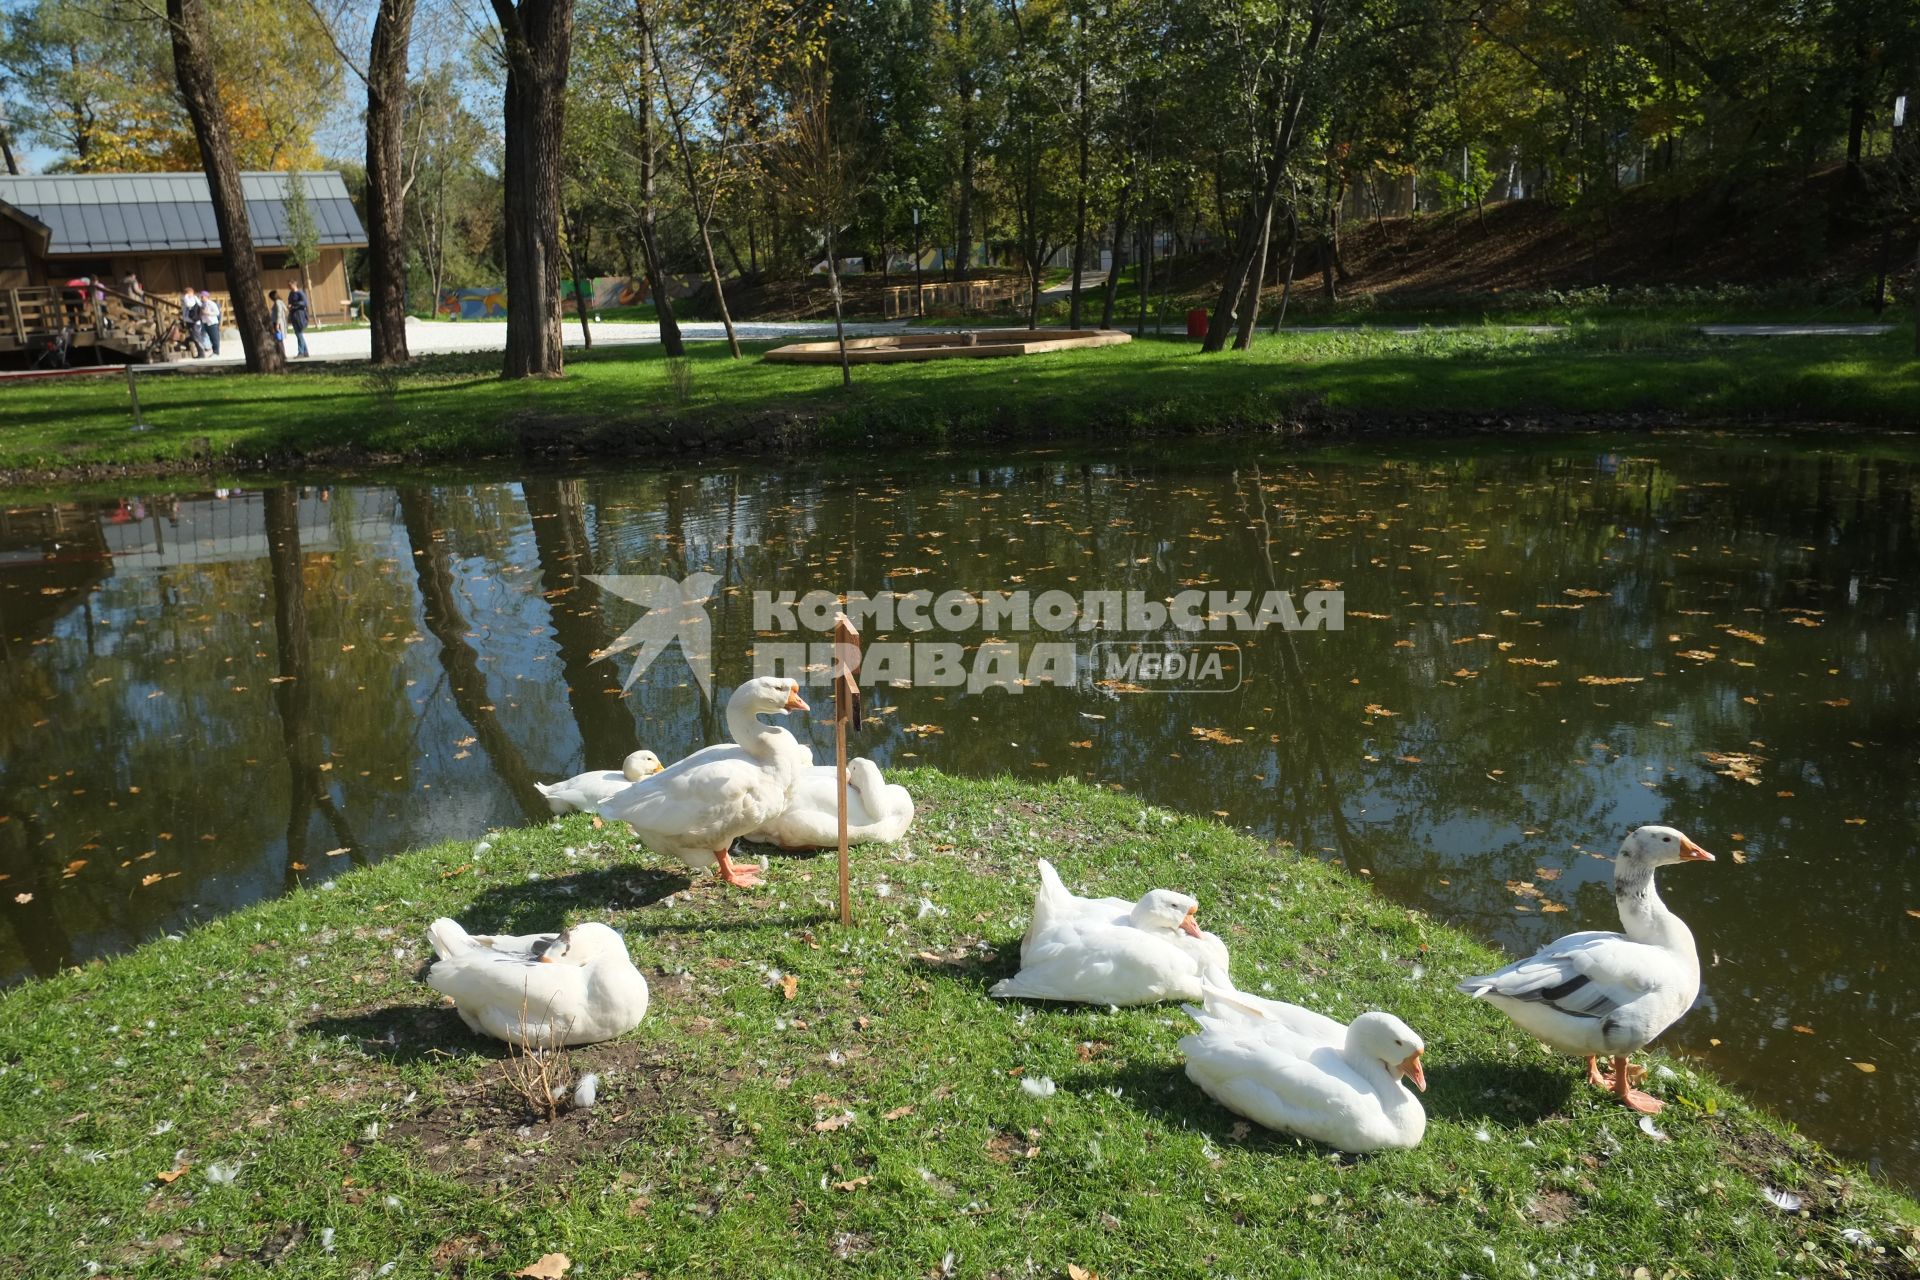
{"type": "Point", "coordinates": [1600, 994]}
{"type": "Point", "coordinates": [1110, 951]}
{"type": "Point", "coordinates": [1297, 1071]}
{"type": "Point", "coordinates": [696, 809]}
{"type": "Point", "coordinates": [877, 811]}
{"type": "Point", "coordinates": [540, 991]}
{"type": "Point", "coordinates": [583, 791]}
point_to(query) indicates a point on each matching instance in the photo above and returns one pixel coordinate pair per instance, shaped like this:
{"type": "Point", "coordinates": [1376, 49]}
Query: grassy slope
{"type": "Point", "coordinates": [455, 407]}
{"type": "Point", "coordinates": [276, 1038]}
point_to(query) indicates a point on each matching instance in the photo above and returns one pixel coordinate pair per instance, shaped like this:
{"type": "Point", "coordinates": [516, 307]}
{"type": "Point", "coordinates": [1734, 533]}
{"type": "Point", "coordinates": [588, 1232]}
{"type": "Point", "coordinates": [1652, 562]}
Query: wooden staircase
{"type": "Point", "coordinates": [32, 320]}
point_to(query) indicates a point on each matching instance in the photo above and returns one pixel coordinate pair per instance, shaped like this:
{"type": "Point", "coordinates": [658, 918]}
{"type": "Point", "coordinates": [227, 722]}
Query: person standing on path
{"type": "Point", "coordinates": [279, 309]}
{"type": "Point", "coordinates": [297, 318]}
{"type": "Point", "coordinates": [210, 320]}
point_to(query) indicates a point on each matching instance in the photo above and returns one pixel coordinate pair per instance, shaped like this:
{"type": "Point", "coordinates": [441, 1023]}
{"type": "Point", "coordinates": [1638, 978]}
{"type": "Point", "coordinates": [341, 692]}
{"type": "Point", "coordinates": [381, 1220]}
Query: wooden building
{"type": "Point", "coordinates": [160, 227]}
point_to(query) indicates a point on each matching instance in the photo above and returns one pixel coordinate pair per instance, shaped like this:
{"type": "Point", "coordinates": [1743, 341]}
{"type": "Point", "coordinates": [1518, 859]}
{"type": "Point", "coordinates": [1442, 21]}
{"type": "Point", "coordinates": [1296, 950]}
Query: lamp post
{"type": "Point", "coordinates": [919, 299]}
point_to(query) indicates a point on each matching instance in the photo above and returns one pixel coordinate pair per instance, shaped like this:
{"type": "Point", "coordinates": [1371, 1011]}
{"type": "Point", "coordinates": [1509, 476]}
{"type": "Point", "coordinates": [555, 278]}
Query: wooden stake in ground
{"type": "Point", "coordinates": [846, 711]}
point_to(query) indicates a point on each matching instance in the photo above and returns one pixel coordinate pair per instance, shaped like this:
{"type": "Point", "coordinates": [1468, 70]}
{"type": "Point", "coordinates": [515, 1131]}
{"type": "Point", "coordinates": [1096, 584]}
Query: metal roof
{"type": "Point", "coordinates": [146, 212]}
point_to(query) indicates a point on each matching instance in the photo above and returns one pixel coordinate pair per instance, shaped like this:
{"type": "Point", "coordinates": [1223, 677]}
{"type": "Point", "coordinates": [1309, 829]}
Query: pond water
{"type": "Point", "coordinates": [209, 696]}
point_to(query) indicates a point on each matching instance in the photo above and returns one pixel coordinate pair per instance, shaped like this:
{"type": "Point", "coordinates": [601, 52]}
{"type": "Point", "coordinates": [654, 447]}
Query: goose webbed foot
{"type": "Point", "coordinates": [1621, 1085]}
{"type": "Point", "coordinates": [746, 877]}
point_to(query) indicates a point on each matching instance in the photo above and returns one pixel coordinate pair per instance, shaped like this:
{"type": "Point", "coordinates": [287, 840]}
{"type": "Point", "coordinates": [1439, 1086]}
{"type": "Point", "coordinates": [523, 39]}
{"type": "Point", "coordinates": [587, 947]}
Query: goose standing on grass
{"type": "Point", "coordinates": [1110, 951]}
{"type": "Point", "coordinates": [540, 991]}
{"type": "Point", "coordinates": [1297, 1071]}
{"type": "Point", "coordinates": [694, 810]}
{"type": "Point", "coordinates": [877, 811]}
{"type": "Point", "coordinates": [584, 791]}
{"type": "Point", "coordinates": [1600, 994]}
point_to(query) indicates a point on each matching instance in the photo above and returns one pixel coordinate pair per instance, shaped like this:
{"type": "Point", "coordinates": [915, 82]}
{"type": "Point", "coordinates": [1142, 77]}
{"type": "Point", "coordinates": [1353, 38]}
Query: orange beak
{"type": "Point", "coordinates": [1411, 1070]}
{"type": "Point", "coordinates": [1691, 852]}
{"type": "Point", "coordinates": [1189, 926]}
{"type": "Point", "coordinates": [795, 702]}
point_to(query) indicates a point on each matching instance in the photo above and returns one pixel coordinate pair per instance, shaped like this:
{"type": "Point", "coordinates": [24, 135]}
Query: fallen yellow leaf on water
{"type": "Point", "coordinates": [147, 881]}
{"type": "Point", "coordinates": [789, 985]}
{"type": "Point", "coordinates": [1913, 913]}
{"type": "Point", "coordinates": [1867, 1067]}
{"type": "Point", "coordinates": [23, 898]}
{"type": "Point", "coordinates": [550, 1267]}
{"type": "Point", "coordinates": [1805, 1031]}
{"type": "Point", "coordinates": [1611, 679]}
{"type": "Point", "coordinates": [1375, 709]}
{"type": "Point", "coordinates": [1747, 635]}
{"type": "Point", "coordinates": [1856, 822]}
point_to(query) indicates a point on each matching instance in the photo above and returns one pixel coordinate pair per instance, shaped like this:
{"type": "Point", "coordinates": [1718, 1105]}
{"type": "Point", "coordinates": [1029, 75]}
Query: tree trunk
{"type": "Point", "coordinates": [702, 216]}
{"type": "Point", "coordinates": [1250, 314]}
{"type": "Point", "coordinates": [670, 341]}
{"type": "Point", "coordinates": [963, 219]}
{"type": "Point", "coordinates": [1293, 254]}
{"type": "Point", "coordinates": [538, 35]}
{"type": "Point", "coordinates": [577, 232]}
{"type": "Point", "coordinates": [386, 188]}
{"type": "Point", "coordinates": [1280, 148]}
{"type": "Point", "coordinates": [1080, 207]}
{"type": "Point", "coordinates": [839, 329]}
{"type": "Point", "coordinates": [1119, 260]}
{"type": "Point", "coordinates": [6, 150]}
{"type": "Point", "coordinates": [1146, 275]}
{"type": "Point", "coordinates": [193, 66]}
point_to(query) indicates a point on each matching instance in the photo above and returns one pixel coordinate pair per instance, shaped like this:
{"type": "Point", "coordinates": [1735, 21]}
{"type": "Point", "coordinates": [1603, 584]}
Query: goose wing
{"type": "Point", "coordinates": [1583, 975]}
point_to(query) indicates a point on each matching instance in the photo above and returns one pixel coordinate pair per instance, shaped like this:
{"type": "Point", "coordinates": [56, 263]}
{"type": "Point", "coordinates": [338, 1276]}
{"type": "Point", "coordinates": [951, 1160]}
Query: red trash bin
{"type": "Point", "coordinates": [1196, 324]}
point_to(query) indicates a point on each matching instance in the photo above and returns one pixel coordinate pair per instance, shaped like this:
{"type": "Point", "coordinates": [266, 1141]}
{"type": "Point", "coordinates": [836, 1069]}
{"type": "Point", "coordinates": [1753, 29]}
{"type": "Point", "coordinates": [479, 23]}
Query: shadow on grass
{"type": "Point", "coordinates": [1498, 1092]}
{"type": "Point", "coordinates": [405, 1033]}
{"type": "Point", "coordinates": [538, 906]}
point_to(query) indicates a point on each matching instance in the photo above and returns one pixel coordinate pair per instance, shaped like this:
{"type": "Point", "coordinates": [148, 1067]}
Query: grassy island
{"type": "Point", "coordinates": [277, 1090]}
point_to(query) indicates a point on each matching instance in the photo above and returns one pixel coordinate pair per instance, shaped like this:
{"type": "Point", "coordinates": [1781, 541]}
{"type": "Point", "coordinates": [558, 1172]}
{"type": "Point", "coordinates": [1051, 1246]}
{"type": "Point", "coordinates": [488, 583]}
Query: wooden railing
{"type": "Point", "coordinates": [958, 295]}
{"type": "Point", "coordinates": [106, 317]}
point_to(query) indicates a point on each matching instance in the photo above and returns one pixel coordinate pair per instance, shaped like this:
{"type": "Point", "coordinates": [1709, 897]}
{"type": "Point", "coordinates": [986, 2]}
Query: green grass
{"type": "Point", "coordinates": [291, 1042]}
{"type": "Point", "coordinates": [455, 407]}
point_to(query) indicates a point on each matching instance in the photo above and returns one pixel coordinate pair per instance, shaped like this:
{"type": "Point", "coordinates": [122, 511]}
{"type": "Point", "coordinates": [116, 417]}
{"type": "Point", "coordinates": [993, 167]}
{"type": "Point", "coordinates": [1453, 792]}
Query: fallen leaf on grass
{"type": "Point", "coordinates": [831, 1123]}
{"type": "Point", "coordinates": [789, 985]}
{"type": "Point", "coordinates": [853, 1184]}
{"type": "Point", "coordinates": [550, 1267]}
{"type": "Point", "coordinates": [1078, 1272]}
{"type": "Point", "coordinates": [174, 1174]}
{"type": "Point", "coordinates": [897, 1113]}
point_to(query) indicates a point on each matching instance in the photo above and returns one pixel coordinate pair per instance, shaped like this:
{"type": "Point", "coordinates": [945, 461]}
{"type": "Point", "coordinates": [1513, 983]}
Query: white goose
{"type": "Point", "coordinates": [877, 811]}
{"type": "Point", "coordinates": [1110, 951]}
{"type": "Point", "coordinates": [1609, 994]}
{"type": "Point", "coordinates": [583, 791]}
{"type": "Point", "coordinates": [694, 810]}
{"type": "Point", "coordinates": [1300, 1072]}
{"type": "Point", "coordinates": [540, 991]}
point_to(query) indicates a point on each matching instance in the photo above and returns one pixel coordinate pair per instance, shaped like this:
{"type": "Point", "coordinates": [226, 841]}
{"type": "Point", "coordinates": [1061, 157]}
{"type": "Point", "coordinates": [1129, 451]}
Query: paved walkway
{"type": "Point", "coordinates": [440, 337]}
